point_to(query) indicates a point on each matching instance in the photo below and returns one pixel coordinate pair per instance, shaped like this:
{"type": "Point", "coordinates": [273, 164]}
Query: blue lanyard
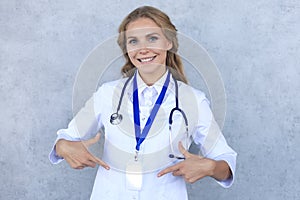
{"type": "Point", "coordinates": [140, 137]}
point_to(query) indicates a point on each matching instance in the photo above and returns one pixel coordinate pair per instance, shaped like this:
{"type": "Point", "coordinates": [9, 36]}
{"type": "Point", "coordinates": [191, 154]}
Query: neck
{"type": "Point", "coordinates": [151, 78]}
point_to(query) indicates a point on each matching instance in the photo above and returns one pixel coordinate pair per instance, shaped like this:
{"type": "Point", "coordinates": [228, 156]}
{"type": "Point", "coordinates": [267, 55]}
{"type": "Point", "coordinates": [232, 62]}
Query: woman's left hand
{"type": "Point", "coordinates": [193, 168]}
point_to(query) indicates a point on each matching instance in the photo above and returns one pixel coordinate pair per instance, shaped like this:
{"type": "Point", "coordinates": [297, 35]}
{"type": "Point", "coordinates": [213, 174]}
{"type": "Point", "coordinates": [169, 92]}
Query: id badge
{"type": "Point", "coordinates": [134, 176]}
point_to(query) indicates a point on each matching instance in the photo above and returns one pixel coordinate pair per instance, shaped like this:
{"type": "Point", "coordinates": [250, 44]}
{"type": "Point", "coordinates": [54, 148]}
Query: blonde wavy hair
{"type": "Point", "coordinates": [173, 61]}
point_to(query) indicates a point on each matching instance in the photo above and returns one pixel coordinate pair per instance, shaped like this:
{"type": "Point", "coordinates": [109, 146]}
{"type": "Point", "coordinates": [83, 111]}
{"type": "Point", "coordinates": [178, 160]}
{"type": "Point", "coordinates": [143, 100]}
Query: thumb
{"type": "Point", "coordinates": [92, 141]}
{"type": "Point", "coordinates": [182, 150]}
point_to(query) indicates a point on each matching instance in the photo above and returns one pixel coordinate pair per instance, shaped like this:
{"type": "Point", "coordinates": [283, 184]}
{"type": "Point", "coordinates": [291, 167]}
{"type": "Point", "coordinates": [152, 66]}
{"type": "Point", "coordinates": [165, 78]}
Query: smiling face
{"type": "Point", "coordinates": [147, 48]}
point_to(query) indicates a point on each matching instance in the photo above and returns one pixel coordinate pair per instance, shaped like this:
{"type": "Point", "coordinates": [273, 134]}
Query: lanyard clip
{"type": "Point", "coordinates": [136, 155]}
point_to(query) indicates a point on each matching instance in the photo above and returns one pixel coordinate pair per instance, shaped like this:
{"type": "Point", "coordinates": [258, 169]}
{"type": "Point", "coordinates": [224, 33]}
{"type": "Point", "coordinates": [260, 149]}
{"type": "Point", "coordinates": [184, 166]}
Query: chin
{"type": "Point", "coordinates": [150, 68]}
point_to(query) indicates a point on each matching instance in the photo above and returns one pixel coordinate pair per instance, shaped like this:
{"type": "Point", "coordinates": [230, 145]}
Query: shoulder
{"type": "Point", "coordinates": [111, 85]}
{"type": "Point", "coordinates": [107, 92]}
{"type": "Point", "coordinates": [114, 83]}
{"type": "Point", "coordinates": [189, 91]}
{"type": "Point", "coordinates": [194, 103]}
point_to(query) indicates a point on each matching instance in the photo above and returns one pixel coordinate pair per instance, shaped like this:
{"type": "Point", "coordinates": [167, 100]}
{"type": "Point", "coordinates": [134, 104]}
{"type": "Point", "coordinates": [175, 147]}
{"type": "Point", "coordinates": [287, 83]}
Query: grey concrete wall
{"type": "Point", "coordinates": [255, 44]}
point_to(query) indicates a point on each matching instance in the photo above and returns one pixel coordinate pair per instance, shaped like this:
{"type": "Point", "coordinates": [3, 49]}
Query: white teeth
{"type": "Point", "coordinates": [146, 59]}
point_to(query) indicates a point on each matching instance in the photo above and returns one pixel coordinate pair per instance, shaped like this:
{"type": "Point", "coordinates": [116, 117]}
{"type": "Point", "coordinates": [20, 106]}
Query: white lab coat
{"type": "Point", "coordinates": [119, 146]}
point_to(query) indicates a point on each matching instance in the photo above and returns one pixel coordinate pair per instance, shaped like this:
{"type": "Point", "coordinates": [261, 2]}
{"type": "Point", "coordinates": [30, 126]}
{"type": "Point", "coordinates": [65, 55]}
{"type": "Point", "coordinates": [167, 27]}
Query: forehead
{"type": "Point", "coordinates": [142, 26]}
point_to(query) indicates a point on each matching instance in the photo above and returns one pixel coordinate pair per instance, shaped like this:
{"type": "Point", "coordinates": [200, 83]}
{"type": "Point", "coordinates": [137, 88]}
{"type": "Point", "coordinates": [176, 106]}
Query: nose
{"type": "Point", "coordinates": [143, 51]}
{"type": "Point", "coordinates": [143, 48]}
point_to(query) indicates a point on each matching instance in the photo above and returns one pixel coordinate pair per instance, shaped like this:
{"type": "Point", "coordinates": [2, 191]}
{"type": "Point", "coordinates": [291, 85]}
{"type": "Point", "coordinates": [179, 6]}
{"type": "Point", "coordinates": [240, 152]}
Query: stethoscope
{"type": "Point", "coordinates": [116, 118]}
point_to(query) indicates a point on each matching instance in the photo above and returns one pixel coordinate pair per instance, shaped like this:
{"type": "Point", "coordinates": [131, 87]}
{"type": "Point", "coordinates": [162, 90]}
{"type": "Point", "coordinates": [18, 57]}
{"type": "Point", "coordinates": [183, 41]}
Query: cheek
{"type": "Point", "coordinates": [131, 55]}
{"type": "Point", "coordinates": [163, 54]}
{"type": "Point", "coordinates": [132, 59]}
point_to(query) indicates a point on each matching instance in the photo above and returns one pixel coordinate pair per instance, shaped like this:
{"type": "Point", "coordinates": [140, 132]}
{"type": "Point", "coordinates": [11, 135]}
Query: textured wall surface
{"type": "Point", "coordinates": [255, 44]}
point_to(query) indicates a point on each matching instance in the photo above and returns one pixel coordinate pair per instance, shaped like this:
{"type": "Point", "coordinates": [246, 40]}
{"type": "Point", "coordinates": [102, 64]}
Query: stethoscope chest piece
{"type": "Point", "coordinates": [116, 118]}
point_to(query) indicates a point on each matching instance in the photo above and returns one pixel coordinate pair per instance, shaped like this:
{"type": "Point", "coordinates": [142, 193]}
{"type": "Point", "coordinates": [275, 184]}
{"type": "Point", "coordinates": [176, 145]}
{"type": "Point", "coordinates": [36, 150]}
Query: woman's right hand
{"type": "Point", "coordinates": [77, 155]}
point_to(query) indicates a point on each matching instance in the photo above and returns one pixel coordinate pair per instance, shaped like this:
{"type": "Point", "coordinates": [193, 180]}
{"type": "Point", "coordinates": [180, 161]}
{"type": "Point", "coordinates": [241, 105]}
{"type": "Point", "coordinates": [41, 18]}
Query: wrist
{"type": "Point", "coordinates": [213, 168]}
{"type": "Point", "coordinates": [221, 170]}
{"type": "Point", "coordinates": [58, 147]}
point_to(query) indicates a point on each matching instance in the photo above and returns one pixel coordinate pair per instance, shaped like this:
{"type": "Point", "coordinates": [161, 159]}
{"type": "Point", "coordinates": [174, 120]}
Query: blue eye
{"type": "Point", "coordinates": [153, 38]}
{"type": "Point", "coordinates": [132, 42]}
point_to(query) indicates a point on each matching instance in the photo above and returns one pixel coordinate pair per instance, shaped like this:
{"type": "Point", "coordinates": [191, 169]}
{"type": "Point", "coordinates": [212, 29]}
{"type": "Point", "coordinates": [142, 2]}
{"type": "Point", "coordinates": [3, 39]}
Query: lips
{"type": "Point", "coordinates": [145, 60]}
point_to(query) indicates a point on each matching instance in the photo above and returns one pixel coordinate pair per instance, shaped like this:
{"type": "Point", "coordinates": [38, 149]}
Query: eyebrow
{"type": "Point", "coordinates": [149, 34]}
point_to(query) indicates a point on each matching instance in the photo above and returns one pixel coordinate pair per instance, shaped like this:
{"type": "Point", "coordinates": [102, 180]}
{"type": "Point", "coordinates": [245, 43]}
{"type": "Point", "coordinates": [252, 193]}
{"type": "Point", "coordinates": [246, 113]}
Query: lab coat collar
{"type": "Point", "coordinates": [157, 85]}
{"type": "Point", "coordinates": [142, 85]}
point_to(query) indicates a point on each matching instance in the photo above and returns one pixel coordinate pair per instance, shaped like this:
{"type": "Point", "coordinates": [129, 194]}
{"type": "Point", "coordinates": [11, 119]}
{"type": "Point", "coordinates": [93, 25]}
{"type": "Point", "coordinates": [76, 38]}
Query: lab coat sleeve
{"type": "Point", "coordinates": [210, 140]}
{"type": "Point", "coordinates": [83, 126]}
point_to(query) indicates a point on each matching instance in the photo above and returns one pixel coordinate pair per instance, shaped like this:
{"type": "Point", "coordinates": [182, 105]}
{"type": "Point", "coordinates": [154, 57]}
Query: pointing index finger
{"type": "Point", "coordinates": [168, 170]}
{"type": "Point", "coordinates": [100, 162]}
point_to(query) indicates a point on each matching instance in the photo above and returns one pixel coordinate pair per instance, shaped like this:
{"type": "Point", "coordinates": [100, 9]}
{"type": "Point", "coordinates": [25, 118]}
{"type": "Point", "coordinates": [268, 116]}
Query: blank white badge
{"type": "Point", "coordinates": [134, 175]}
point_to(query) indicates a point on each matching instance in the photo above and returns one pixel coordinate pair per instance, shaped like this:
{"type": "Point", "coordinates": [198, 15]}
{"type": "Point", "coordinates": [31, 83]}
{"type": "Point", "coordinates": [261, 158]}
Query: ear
{"type": "Point", "coordinates": [169, 45]}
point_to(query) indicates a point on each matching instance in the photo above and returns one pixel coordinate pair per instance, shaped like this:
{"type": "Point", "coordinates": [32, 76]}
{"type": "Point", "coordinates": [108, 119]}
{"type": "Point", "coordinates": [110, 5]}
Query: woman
{"type": "Point", "coordinates": [141, 159]}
